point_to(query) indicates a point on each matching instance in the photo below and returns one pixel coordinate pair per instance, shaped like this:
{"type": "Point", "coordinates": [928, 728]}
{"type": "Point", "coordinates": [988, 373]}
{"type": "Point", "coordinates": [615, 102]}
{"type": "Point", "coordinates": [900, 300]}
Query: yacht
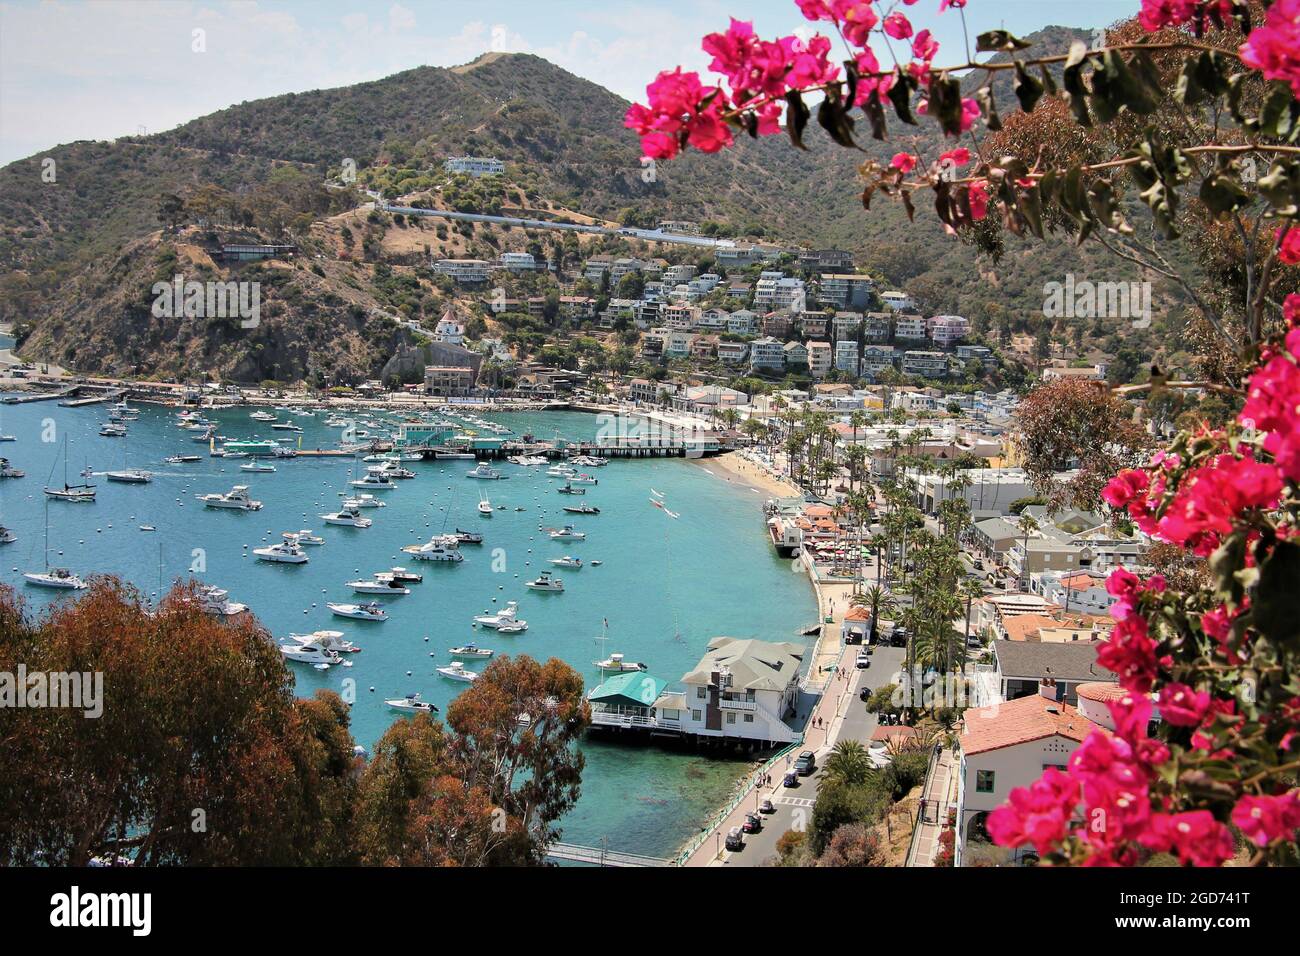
{"type": "Point", "coordinates": [467, 537]}
{"type": "Point", "coordinates": [236, 498]}
{"type": "Point", "coordinates": [181, 459]}
{"type": "Point", "coordinates": [330, 640]}
{"type": "Point", "coordinates": [568, 489]}
{"type": "Point", "coordinates": [375, 478]}
{"type": "Point", "coordinates": [508, 616]}
{"type": "Point", "coordinates": [484, 470]}
{"type": "Point", "coordinates": [286, 552]}
{"type": "Point", "coordinates": [405, 576]}
{"type": "Point", "coordinates": [567, 562]}
{"type": "Point", "coordinates": [123, 412]}
{"type": "Point", "coordinates": [527, 461]}
{"type": "Point", "coordinates": [55, 578]}
{"type": "Point", "coordinates": [113, 430]}
{"type": "Point", "coordinates": [589, 461]}
{"type": "Point", "coordinates": [9, 472]}
{"type": "Point", "coordinates": [7, 536]}
{"type": "Point", "coordinates": [615, 662]}
{"type": "Point", "coordinates": [260, 467]}
{"type": "Point", "coordinates": [362, 612]}
{"type": "Point", "coordinates": [437, 548]}
{"type": "Point", "coordinates": [485, 507]}
{"type": "Point", "coordinates": [561, 471]}
{"type": "Point", "coordinates": [471, 650]}
{"type": "Point", "coordinates": [78, 493]}
{"type": "Point", "coordinates": [379, 584]}
{"type": "Point", "coordinates": [347, 517]}
{"type": "Point", "coordinates": [305, 536]}
{"type": "Point", "coordinates": [130, 476]}
{"type": "Point", "coordinates": [582, 509]}
{"type": "Point", "coordinates": [392, 469]}
{"type": "Point", "coordinates": [456, 671]}
{"type": "Point", "coordinates": [545, 582]}
{"type": "Point", "coordinates": [363, 501]}
{"type": "Point", "coordinates": [567, 534]}
{"type": "Point", "coordinates": [262, 417]}
{"type": "Point", "coordinates": [582, 479]}
{"type": "Point", "coordinates": [412, 704]}
{"type": "Point", "coordinates": [213, 600]}
{"type": "Point", "coordinates": [311, 652]}
{"type": "Point", "coordinates": [286, 427]}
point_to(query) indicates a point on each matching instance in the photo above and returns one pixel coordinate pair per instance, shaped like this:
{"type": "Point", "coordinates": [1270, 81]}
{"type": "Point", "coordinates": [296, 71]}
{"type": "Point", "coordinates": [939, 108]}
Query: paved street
{"type": "Point", "coordinates": [794, 805]}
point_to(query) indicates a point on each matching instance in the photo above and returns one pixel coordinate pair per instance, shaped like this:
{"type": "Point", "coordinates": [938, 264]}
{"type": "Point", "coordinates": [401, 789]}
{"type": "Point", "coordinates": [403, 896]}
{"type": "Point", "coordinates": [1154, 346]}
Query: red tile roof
{"type": "Point", "coordinates": [1021, 721]}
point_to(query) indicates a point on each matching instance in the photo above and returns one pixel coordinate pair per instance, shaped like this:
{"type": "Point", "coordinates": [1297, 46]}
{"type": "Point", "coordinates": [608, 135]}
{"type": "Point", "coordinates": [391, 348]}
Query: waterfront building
{"type": "Point", "coordinates": [448, 381]}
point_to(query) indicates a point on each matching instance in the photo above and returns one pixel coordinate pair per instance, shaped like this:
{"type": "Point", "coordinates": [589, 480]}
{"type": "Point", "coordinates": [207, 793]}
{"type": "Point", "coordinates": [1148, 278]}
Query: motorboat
{"type": "Point", "coordinates": [379, 584]}
{"type": "Point", "coordinates": [583, 479]}
{"type": "Point", "coordinates": [55, 578]}
{"type": "Point", "coordinates": [545, 582]}
{"type": "Point", "coordinates": [113, 430]}
{"type": "Point", "coordinates": [403, 575]}
{"type": "Point", "coordinates": [471, 650]}
{"type": "Point", "coordinates": [438, 548]}
{"type": "Point", "coordinates": [567, 533]}
{"type": "Point", "coordinates": [582, 509]}
{"type": "Point", "coordinates": [286, 427]}
{"type": "Point", "coordinates": [262, 416]}
{"type": "Point", "coordinates": [258, 466]}
{"type": "Point", "coordinates": [363, 501]}
{"type": "Point", "coordinates": [236, 499]}
{"type": "Point", "coordinates": [182, 459]}
{"type": "Point", "coordinates": [615, 662]}
{"type": "Point", "coordinates": [311, 652]}
{"type": "Point", "coordinates": [394, 470]}
{"type": "Point", "coordinates": [568, 561]}
{"type": "Point", "coordinates": [375, 478]}
{"type": "Point", "coordinates": [456, 671]}
{"type": "Point", "coordinates": [130, 476]}
{"type": "Point", "coordinates": [330, 640]}
{"type": "Point", "coordinates": [568, 489]}
{"type": "Point", "coordinates": [305, 536]}
{"type": "Point", "coordinates": [467, 537]}
{"type": "Point", "coordinates": [370, 611]}
{"type": "Point", "coordinates": [485, 507]}
{"type": "Point", "coordinates": [9, 472]}
{"type": "Point", "coordinates": [412, 704]}
{"type": "Point", "coordinates": [484, 470]}
{"type": "Point", "coordinates": [214, 600]}
{"type": "Point", "coordinates": [347, 517]}
{"type": "Point", "coordinates": [561, 471]}
{"type": "Point", "coordinates": [7, 536]}
{"type": "Point", "coordinates": [508, 616]}
{"type": "Point", "coordinates": [286, 552]}
{"type": "Point", "coordinates": [589, 461]}
{"type": "Point", "coordinates": [527, 461]}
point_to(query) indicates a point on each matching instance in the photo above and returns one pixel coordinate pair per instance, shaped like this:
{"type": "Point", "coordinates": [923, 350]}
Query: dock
{"type": "Point", "coordinates": [599, 856]}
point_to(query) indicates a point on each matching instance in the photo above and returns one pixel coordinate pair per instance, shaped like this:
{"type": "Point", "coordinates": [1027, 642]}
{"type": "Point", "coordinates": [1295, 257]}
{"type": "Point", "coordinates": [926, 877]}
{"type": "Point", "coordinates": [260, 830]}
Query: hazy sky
{"type": "Point", "coordinates": [96, 69]}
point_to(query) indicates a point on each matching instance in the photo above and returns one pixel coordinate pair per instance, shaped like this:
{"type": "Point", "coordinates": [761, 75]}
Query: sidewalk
{"type": "Point", "coordinates": [939, 795]}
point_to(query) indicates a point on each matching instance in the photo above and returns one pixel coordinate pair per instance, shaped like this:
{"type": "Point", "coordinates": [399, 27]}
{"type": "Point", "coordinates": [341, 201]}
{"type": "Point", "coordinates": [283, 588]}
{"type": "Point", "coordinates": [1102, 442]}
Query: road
{"type": "Point", "coordinates": [794, 805]}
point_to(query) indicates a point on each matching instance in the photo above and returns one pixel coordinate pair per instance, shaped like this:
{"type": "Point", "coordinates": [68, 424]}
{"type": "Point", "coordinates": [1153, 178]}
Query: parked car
{"type": "Point", "coordinates": [735, 839]}
{"type": "Point", "coordinates": [753, 823]}
{"type": "Point", "coordinates": [766, 806]}
{"type": "Point", "coordinates": [791, 779]}
{"type": "Point", "coordinates": [878, 753]}
{"type": "Point", "coordinates": [806, 763]}
{"type": "Point", "coordinates": [863, 660]}
{"type": "Point", "coordinates": [979, 565]}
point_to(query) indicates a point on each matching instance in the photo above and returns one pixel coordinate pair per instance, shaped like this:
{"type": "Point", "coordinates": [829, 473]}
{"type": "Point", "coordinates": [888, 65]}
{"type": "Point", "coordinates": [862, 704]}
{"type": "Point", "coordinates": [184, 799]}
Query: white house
{"type": "Point", "coordinates": [846, 356]}
{"type": "Point", "coordinates": [741, 688]}
{"type": "Point", "coordinates": [820, 359]}
{"type": "Point", "coordinates": [766, 353]}
{"type": "Point", "coordinates": [475, 165]}
{"type": "Point", "coordinates": [898, 301]}
{"type": "Point", "coordinates": [742, 322]}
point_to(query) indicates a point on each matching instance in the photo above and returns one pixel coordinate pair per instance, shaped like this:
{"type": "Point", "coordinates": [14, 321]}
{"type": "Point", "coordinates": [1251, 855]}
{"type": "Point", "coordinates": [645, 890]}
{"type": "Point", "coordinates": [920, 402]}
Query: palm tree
{"type": "Point", "coordinates": [1026, 525]}
{"type": "Point", "coordinates": [972, 590]}
{"type": "Point", "coordinates": [880, 602]}
{"type": "Point", "coordinates": [848, 763]}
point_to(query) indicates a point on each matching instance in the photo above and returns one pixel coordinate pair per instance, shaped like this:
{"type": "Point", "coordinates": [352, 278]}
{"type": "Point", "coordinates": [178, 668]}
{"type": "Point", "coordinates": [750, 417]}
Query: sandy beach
{"type": "Point", "coordinates": [732, 467]}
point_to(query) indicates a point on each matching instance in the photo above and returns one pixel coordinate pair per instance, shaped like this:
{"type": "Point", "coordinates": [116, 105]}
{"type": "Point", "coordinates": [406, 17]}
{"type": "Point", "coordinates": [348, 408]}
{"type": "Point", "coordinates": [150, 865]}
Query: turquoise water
{"type": "Point", "coordinates": [666, 586]}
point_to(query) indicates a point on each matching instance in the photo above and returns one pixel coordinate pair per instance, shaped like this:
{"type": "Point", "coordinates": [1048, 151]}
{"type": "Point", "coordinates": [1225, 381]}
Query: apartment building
{"type": "Point", "coordinates": [925, 364]}
{"type": "Point", "coordinates": [909, 328]}
{"type": "Point", "coordinates": [767, 354]}
{"type": "Point", "coordinates": [475, 165]}
{"type": "Point", "coordinates": [464, 271]}
{"type": "Point", "coordinates": [876, 327]}
{"type": "Point", "coordinates": [946, 330]}
{"type": "Point", "coordinates": [820, 359]}
{"type": "Point", "coordinates": [845, 290]}
{"type": "Point", "coordinates": [846, 356]}
{"type": "Point", "coordinates": [896, 301]}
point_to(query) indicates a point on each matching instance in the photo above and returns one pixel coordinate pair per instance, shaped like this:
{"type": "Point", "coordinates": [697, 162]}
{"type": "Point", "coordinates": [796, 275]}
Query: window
{"type": "Point", "coordinates": [983, 781]}
{"type": "Point", "coordinates": [699, 692]}
{"type": "Point", "coordinates": [749, 718]}
{"type": "Point", "coordinates": [695, 716]}
{"type": "Point", "coordinates": [731, 716]}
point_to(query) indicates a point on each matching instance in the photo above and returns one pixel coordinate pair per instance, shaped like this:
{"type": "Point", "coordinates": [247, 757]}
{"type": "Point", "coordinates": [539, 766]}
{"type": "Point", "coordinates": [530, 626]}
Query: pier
{"type": "Point", "coordinates": [599, 856]}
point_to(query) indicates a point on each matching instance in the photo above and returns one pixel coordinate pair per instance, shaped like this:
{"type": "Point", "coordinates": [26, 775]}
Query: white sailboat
{"type": "Point", "coordinates": [60, 578]}
{"type": "Point", "coordinates": [78, 493]}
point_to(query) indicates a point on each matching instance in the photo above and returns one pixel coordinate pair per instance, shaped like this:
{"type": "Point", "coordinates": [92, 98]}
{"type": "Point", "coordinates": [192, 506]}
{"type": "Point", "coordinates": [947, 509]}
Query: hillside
{"type": "Point", "coordinates": [66, 248]}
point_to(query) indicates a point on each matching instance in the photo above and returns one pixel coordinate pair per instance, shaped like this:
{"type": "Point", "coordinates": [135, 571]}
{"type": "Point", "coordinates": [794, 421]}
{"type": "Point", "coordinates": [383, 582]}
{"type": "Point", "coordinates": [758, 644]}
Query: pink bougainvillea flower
{"type": "Point", "coordinates": [1038, 814]}
{"type": "Point", "coordinates": [1274, 47]}
{"type": "Point", "coordinates": [898, 26]}
{"type": "Point", "coordinates": [903, 162]}
{"type": "Point", "coordinates": [955, 4]}
{"type": "Point", "coordinates": [1265, 819]}
{"type": "Point", "coordinates": [958, 157]}
{"type": "Point", "coordinates": [924, 46]}
{"type": "Point", "coordinates": [978, 195]}
{"type": "Point", "coordinates": [1212, 496]}
{"type": "Point", "coordinates": [1196, 836]}
{"type": "Point", "coordinates": [1125, 487]}
{"type": "Point", "coordinates": [1182, 706]}
{"type": "Point", "coordinates": [1288, 249]}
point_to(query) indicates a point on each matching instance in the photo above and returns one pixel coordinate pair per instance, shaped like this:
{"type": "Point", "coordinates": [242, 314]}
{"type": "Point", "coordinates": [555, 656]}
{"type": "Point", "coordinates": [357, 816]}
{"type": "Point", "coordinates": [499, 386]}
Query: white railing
{"type": "Point", "coordinates": [737, 704]}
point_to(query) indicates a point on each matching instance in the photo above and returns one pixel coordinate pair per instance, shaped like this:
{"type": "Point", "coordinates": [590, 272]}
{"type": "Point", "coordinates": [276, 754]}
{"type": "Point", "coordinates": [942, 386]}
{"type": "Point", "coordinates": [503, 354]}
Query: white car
{"type": "Point", "coordinates": [878, 753]}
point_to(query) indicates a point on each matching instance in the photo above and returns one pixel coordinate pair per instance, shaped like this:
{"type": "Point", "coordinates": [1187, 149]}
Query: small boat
{"type": "Point", "coordinates": [545, 582]}
{"type": "Point", "coordinates": [258, 466]}
{"type": "Point", "coordinates": [8, 437]}
{"type": "Point", "coordinates": [285, 427]}
{"type": "Point", "coordinates": [363, 501]}
{"type": "Point", "coordinates": [312, 652]}
{"type": "Point", "coordinates": [393, 470]}
{"type": "Point", "coordinates": [330, 640]}
{"type": "Point", "coordinates": [213, 600]}
{"type": "Point", "coordinates": [375, 478]}
{"type": "Point", "coordinates": [582, 509]}
{"type": "Point", "coordinates": [470, 650]}
{"type": "Point", "coordinates": [456, 671]}
{"type": "Point", "coordinates": [405, 576]}
{"type": "Point", "coordinates": [615, 662]}
{"type": "Point", "coordinates": [568, 489]}
{"type": "Point", "coordinates": [362, 612]}
{"type": "Point", "coordinates": [237, 499]}
{"type": "Point", "coordinates": [7, 472]}
{"type": "Point", "coordinates": [131, 476]}
{"type": "Point", "coordinates": [589, 461]}
{"type": "Point", "coordinates": [113, 430]}
{"type": "Point", "coordinates": [567, 533]}
{"type": "Point", "coordinates": [567, 561]}
{"type": "Point", "coordinates": [262, 417]}
{"type": "Point", "coordinates": [507, 617]}
{"type": "Point", "coordinates": [181, 459]}
{"type": "Point", "coordinates": [583, 479]}
{"type": "Point", "coordinates": [7, 536]}
{"type": "Point", "coordinates": [467, 537]}
{"type": "Point", "coordinates": [55, 578]}
{"type": "Point", "coordinates": [412, 704]}
{"type": "Point", "coordinates": [437, 548]}
{"type": "Point", "coordinates": [485, 507]}
{"type": "Point", "coordinates": [286, 552]}
{"type": "Point", "coordinates": [560, 471]}
{"type": "Point", "coordinates": [379, 584]}
{"type": "Point", "coordinates": [147, 527]}
{"type": "Point", "coordinates": [306, 537]}
{"type": "Point", "coordinates": [347, 517]}
{"type": "Point", "coordinates": [484, 470]}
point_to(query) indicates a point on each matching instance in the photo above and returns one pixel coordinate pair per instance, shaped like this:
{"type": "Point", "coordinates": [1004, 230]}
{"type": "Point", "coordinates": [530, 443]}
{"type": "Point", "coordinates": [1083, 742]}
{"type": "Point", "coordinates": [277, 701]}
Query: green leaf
{"type": "Point", "coordinates": [1028, 90]}
{"type": "Point", "coordinates": [999, 41]}
{"type": "Point", "coordinates": [1222, 194]}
